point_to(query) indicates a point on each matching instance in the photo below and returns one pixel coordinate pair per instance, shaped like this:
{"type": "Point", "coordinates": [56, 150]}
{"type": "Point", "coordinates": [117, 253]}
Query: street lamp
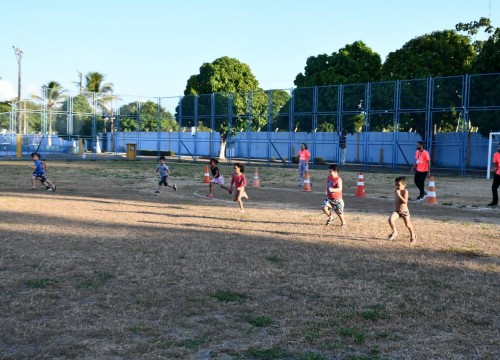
{"type": "Point", "coordinates": [19, 55]}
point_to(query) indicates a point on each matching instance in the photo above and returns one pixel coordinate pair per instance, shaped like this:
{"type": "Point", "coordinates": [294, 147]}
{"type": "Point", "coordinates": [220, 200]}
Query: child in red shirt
{"type": "Point", "coordinates": [239, 180]}
{"type": "Point", "coordinates": [334, 201]}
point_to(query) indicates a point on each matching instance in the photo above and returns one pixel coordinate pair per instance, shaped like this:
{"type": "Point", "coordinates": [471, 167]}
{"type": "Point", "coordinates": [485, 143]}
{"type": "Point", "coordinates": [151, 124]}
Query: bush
{"type": "Point", "coordinates": [154, 153]}
{"type": "Point", "coordinates": [319, 161]}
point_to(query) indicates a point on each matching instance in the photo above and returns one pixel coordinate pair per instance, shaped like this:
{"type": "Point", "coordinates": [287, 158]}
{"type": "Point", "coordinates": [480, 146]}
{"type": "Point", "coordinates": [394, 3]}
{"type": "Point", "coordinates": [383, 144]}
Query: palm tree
{"type": "Point", "coordinates": [94, 83]}
{"type": "Point", "coordinates": [53, 94]}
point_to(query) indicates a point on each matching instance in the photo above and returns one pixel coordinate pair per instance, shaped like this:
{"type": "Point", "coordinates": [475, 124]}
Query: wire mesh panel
{"type": "Point", "coordinates": [413, 94]}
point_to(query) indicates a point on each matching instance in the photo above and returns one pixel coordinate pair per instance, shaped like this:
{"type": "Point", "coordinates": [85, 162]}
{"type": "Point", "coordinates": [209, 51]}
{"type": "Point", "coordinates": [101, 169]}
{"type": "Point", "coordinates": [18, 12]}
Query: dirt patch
{"type": "Point", "coordinates": [103, 268]}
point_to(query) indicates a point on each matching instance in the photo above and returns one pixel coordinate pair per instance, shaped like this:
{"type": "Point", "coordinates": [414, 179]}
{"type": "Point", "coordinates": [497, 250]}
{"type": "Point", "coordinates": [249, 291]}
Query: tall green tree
{"type": "Point", "coordinates": [94, 83]}
{"type": "Point", "coordinates": [82, 116]}
{"type": "Point", "coordinates": [54, 94]}
{"type": "Point", "coordinates": [148, 115]}
{"type": "Point", "coordinates": [229, 79]}
{"type": "Point", "coordinates": [354, 63]}
{"type": "Point", "coordinates": [441, 53]}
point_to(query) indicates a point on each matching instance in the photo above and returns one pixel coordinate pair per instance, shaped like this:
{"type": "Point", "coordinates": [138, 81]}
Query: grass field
{"type": "Point", "coordinates": [104, 269]}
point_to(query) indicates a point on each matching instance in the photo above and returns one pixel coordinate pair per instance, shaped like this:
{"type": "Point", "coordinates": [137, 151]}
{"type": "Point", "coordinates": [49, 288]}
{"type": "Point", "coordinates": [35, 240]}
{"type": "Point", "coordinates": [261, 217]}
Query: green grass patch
{"type": "Point", "coordinates": [259, 321]}
{"type": "Point", "coordinates": [265, 354]}
{"type": "Point", "coordinates": [357, 336]}
{"type": "Point", "coordinates": [374, 312]}
{"type": "Point", "coordinates": [41, 283]}
{"type": "Point", "coordinates": [191, 344]}
{"type": "Point", "coordinates": [275, 259]}
{"type": "Point", "coordinates": [311, 356]}
{"type": "Point", "coordinates": [230, 296]}
{"type": "Point", "coordinates": [94, 282]}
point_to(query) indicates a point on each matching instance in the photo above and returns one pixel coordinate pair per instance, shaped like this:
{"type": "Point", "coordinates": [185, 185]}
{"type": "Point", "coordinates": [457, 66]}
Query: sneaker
{"type": "Point", "coordinates": [210, 196]}
{"type": "Point", "coordinates": [413, 239]}
{"type": "Point", "coordinates": [492, 204]}
{"type": "Point", "coordinates": [300, 185]}
{"type": "Point", "coordinates": [343, 225]}
{"type": "Point", "coordinates": [329, 221]}
{"type": "Point", "coordinates": [157, 192]}
{"type": "Point", "coordinates": [49, 189]}
{"type": "Point", "coordinates": [175, 187]}
{"type": "Point", "coordinates": [392, 237]}
{"type": "Point", "coordinates": [32, 189]}
{"type": "Point", "coordinates": [55, 187]}
{"type": "Point", "coordinates": [419, 198]}
{"type": "Point", "coordinates": [230, 192]}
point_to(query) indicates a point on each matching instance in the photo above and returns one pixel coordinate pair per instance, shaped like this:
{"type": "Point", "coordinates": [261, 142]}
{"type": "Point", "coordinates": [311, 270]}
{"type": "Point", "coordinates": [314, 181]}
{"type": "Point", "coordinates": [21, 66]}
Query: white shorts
{"type": "Point", "coordinates": [219, 180]}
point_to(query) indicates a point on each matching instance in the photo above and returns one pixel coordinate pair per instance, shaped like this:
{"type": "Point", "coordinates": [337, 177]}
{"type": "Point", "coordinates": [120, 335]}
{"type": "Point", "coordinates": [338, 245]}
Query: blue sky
{"type": "Point", "coordinates": [151, 47]}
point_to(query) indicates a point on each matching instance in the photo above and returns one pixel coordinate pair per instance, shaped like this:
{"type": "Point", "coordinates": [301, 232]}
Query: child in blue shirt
{"type": "Point", "coordinates": [164, 171]}
{"type": "Point", "coordinates": [39, 168]}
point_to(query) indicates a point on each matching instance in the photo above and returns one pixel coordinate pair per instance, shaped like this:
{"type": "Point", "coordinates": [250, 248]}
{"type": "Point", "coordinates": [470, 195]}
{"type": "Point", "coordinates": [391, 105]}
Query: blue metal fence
{"type": "Point", "coordinates": [383, 120]}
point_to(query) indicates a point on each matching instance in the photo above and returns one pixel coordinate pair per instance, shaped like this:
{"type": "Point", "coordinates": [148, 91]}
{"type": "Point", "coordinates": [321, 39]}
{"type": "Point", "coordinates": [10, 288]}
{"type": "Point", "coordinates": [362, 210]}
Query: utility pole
{"type": "Point", "coordinates": [19, 56]}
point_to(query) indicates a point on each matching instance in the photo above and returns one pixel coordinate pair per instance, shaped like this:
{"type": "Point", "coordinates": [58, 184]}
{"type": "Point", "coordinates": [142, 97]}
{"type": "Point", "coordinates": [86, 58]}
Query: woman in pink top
{"type": "Point", "coordinates": [422, 168]}
{"type": "Point", "coordinates": [496, 178]}
{"type": "Point", "coordinates": [239, 180]}
{"type": "Point", "coordinates": [304, 156]}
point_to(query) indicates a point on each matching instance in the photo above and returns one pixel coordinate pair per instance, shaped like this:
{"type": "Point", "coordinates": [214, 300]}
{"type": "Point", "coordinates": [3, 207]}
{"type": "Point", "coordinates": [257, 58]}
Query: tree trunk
{"type": "Point", "coordinates": [222, 151]}
{"type": "Point", "coordinates": [49, 140]}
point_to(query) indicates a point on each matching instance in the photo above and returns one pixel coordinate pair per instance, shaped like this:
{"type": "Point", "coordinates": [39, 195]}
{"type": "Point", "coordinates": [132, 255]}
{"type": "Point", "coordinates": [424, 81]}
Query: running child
{"type": "Point", "coordinates": [216, 178]}
{"type": "Point", "coordinates": [164, 171]}
{"type": "Point", "coordinates": [239, 180]}
{"type": "Point", "coordinates": [334, 202]}
{"type": "Point", "coordinates": [401, 210]}
{"type": "Point", "coordinates": [39, 168]}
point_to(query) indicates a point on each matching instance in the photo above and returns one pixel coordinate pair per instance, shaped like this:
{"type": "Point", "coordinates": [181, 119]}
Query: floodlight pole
{"type": "Point", "coordinates": [19, 56]}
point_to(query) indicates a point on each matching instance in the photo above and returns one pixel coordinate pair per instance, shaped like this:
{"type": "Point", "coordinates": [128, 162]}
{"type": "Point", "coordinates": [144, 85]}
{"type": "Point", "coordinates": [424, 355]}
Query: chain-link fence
{"type": "Point", "coordinates": [370, 125]}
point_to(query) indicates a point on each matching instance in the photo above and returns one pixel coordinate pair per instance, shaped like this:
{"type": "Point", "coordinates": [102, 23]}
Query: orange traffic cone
{"type": "Point", "coordinates": [256, 182]}
{"type": "Point", "coordinates": [307, 183]}
{"type": "Point", "coordinates": [360, 186]}
{"type": "Point", "coordinates": [431, 194]}
{"type": "Point", "coordinates": [206, 176]}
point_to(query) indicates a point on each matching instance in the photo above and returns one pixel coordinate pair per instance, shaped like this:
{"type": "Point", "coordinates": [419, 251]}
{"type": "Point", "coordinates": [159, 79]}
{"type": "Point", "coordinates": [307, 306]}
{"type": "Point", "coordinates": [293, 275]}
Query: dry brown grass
{"type": "Point", "coordinates": [103, 269]}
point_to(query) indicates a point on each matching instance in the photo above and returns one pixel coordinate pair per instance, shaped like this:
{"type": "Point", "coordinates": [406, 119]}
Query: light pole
{"type": "Point", "coordinates": [19, 56]}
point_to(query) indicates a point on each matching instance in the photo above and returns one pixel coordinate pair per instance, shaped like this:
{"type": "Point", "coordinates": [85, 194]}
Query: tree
{"type": "Point", "coordinates": [354, 63]}
{"type": "Point", "coordinates": [82, 116]}
{"type": "Point", "coordinates": [441, 53]}
{"type": "Point", "coordinates": [53, 93]}
{"type": "Point", "coordinates": [151, 117]}
{"type": "Point", "coordinates": [473, 28]}
{"type": "Point", "coordinates": [94, 83]}
{"type": "Point", "coordinates": [232, 82]}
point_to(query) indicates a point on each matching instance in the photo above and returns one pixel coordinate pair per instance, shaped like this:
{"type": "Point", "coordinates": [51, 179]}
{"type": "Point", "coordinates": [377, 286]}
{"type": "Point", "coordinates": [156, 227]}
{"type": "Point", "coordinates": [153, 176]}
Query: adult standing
{"type": "Point", "coordinates": [304, 156]}
{"type": "Point", "coordinates": [422, 168]}
{"type": "Point", "coordinates": [343, 146]}
{"type": "Point", "coordinates": [496, 177]}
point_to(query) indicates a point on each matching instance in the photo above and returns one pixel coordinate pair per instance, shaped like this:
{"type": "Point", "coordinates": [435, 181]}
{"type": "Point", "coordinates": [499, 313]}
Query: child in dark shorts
{"type": "Point", "coordinates": [401, 210]}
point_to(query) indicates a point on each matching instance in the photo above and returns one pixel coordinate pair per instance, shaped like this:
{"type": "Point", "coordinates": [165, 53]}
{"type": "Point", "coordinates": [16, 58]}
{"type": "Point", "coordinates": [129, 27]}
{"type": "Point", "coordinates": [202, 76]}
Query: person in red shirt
{"type": "Point", "coordinates": [422, 168]}
{"type": "Point", "coordinates": [496, 177]}
{"type": "Point", "coordinates": [239, 180]}
{"type": "Point", "coordinates": [304, 156]}
{"type": "Point", "coordinates": [334, 202]}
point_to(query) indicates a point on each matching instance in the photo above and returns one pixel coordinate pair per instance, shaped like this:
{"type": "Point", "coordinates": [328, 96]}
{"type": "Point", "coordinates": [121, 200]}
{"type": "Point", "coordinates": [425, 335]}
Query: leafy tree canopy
{"type": "Point", "coordinates": [441, 53]}
{"type": "Point", "coordinates": [354, 63]}
{"type": "Point", "coordinates": [152, 118]}
{"type": "Point", "coordinates": [224, 75]}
